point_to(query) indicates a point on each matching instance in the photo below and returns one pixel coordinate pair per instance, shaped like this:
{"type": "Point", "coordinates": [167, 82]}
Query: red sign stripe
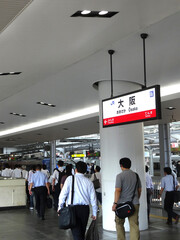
{"type": "Point", "coordinates": [130, 117]}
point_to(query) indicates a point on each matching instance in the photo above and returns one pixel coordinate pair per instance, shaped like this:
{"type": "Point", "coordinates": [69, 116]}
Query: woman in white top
{"type": "Point", "coordinates": [97, 175]}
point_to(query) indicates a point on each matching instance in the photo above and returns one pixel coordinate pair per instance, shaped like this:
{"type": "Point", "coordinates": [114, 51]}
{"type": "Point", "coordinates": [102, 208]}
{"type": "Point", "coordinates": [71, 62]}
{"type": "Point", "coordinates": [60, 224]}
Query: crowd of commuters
{"type": "Point", "coordinates": [40, 184]}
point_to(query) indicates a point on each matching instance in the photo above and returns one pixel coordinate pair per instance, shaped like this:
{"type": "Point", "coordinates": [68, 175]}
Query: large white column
{"type": "Point", "coordinates": [165, 149]}
{"type": "Point", "coordinates": [117, 142]}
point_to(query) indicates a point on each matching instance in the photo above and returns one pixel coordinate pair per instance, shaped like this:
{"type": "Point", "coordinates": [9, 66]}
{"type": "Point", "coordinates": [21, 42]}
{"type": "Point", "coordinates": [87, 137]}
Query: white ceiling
{"type": "Point", "coordinates": [61, 57]}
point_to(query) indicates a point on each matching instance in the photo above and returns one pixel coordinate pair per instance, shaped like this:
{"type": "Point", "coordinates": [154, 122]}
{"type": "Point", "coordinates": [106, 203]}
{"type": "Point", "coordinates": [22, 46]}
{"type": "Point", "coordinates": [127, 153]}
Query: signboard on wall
{"type": "Point", "coordinates": [137, 106]}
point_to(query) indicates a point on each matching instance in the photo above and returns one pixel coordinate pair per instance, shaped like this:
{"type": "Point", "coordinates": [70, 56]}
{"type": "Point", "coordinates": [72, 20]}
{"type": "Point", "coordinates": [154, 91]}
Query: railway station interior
{"type": "Point", "coordinates": [60, 62]}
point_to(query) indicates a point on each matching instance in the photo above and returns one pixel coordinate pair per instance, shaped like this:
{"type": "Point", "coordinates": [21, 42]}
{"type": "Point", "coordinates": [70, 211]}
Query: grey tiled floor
{"type": "Point", "coordinates": [23, 224]}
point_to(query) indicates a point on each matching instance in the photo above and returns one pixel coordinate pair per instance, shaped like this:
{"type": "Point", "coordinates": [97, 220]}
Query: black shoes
{"type": "Point", "coordinates": [169, 223]}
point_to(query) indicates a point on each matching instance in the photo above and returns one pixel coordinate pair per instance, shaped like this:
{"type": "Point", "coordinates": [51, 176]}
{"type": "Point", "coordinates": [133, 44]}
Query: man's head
{"type": "Point", "coordinates": [60, 163]}
{"type": "Point", "coordinates": [97, 169]}
{"type": "Point", "coordinates": [38, 167]}
{"type": "Point", "coordinates": [125, 162]}
{"type": "Point", "coordinates": [167, 170]}
{"type": "Point", "coordinates": [81, 167]}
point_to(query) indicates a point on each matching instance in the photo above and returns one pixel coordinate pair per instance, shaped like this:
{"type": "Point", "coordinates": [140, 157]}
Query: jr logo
{"type": "Point", "coordinates": [151, 93]}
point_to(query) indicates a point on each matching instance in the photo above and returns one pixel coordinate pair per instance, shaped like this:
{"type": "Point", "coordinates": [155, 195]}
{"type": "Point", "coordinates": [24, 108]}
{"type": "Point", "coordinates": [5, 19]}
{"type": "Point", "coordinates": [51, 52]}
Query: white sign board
{"type": "Point", "coordinates": [136, 106]}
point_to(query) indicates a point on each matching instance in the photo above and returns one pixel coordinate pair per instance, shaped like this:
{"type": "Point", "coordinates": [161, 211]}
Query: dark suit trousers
{"type": "Point", "coordinates": [82, 215]}
{"type": "Point", "coordinates": [40, 196]}
{"type": "Point", "coordinates": [168, 206]}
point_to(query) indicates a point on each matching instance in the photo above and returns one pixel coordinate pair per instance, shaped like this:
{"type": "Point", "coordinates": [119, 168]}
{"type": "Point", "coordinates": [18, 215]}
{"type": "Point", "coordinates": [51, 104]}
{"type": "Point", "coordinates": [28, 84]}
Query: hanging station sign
{"type": "Point", "coordinates": [138, 106]}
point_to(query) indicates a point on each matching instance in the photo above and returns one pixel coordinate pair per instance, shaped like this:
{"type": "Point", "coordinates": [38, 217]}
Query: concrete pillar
{"type": "Point", "coordinates": [53, 155]}
{"type": "Point", "coordinates": [165, 150]}
{"type": "Point", "coordinates": [117, 142]}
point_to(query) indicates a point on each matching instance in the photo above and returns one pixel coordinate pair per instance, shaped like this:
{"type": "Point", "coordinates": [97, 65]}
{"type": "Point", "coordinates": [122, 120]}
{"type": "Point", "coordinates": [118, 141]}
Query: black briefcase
{"type": "Point", "coordinates": [67, 217]}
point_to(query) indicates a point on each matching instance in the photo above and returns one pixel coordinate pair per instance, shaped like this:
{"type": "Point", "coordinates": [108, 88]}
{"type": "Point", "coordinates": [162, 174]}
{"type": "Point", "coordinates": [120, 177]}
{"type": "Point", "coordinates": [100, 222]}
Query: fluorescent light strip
{"type": "Point", "coordinates": [165, 91]}
{"type": "Point", "coordinates": [58, 119]}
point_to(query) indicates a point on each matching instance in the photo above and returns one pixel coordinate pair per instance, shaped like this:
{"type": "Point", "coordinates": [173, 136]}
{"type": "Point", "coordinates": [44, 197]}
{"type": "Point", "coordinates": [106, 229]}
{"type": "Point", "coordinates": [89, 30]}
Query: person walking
{"type": "Point", "coordinates": [169, 184]}
{"type": "Point", "coordinates": [41, 188]}
{"type": "Point", "coordinates": [149, 190]}
{"type": "Point", "coordinates": [84, 195]}
{"type": "Point", "coordinates": [56, 182]}
{"type": "Point", "coordinates": [97, 175]}
{"type": "Point", "coordinates": [124, 190]}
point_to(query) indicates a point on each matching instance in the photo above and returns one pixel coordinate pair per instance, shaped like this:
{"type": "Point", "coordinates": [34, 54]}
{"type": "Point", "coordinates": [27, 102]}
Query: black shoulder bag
{"type": "Point", "coordinates": [176, 193]}
{"type": "Point", "coordinates": [67, 215]}
{"type": "Point", "coordinates": [96, 182]}
{"type": "Point", "coordinates": [126, 209]}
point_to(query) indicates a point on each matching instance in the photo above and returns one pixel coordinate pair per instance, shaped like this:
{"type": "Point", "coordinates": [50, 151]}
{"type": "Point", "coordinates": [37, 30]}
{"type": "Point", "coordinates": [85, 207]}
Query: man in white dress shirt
{"type": "Point", "coordinates": [84, 195]}
{"type": "Point", "coordinates": [17, 172]}
{"type": "Point", "coordinates": [7, 172]}
{"type": "Point", "coordinates": [149, 190]}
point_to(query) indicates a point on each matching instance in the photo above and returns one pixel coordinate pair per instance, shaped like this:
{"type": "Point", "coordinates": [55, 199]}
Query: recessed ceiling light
{"type": "Point", "coordinates": [18, 114]}
{"type": "Point", "coordinates": [96, 14]}
{"type": "Point", "coordinates": [103, 12]}
{"type": "Point", "coordinates": [84, 12]}
{"type": "Point", "coordinates": [46, 104]}
{"type": "Point", "coordinates": [9, 73]}
{"type": "Point", "coordinates": [170, 108]}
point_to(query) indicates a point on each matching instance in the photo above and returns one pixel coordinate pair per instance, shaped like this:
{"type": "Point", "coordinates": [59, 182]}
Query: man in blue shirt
{"type": "Point", "coordinates": [40, 183]}
{"type": "Point", "coordinates": [169, 184]}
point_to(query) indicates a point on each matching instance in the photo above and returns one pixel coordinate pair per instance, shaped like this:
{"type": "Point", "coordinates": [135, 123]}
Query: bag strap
{"type": "Point", "coordinates": [137, 178]}
{"type": "Point", "coordinates": [72, 195]}
{"type": "Point", "coordinates": [174, 183]}
{"type": "Point", "coordinates": [95, 176]}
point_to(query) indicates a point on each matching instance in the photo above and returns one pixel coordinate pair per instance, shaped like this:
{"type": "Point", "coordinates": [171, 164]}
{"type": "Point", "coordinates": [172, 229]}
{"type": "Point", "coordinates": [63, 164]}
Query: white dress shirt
{"type": "Point", "coordinates": [84, 193]}
{"type": "Point", "coordinates": [17, 173]}
{"type": "Point", "coordinates": [25, 174]}
{"type": "Point", "coordinates": [149, 183]}
{"type": "Point", "coordinates": [55, 174]}
{"type": "Point", "coordinates": [169, 183]}
{"type": "Point", "coordinates": [46, 172]}
{"type": "Point", "coordinates": [7, 172]}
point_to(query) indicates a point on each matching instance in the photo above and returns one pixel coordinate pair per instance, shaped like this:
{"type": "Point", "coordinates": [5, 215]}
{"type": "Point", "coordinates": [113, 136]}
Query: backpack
{"type": "Point", "coordinates": [60, 176]}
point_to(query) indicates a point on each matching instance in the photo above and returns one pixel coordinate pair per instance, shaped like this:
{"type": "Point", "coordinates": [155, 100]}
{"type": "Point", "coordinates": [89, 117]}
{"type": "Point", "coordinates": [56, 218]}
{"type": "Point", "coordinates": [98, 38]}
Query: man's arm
{"type": "Point", "coordinates": [139, 192]}
{"type": "Point", "coordinates": [116, 198]}
{"type": "Point", "coordinates": [47, 186]}
{"type": "Point", "coordinates": [162, 189]}
{"type": "Point", "coordinates": [30, 187]}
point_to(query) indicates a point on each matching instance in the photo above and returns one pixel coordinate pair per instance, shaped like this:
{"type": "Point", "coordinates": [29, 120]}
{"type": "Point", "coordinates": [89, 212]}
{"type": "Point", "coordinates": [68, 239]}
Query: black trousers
{"type": "Point", "coordinates": [168, 206]}
{"type": "Point", "coordinates": [56, 196]}
{"type": "Point", "coordinates": [149, 193]}
{"type": "Point", "coordinates": [40, 196]}
{"type": "Point", "coordinates": [82, 215]}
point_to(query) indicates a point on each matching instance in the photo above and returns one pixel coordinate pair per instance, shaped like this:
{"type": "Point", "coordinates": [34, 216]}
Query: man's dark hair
{"type": "Point", "coordinates": [98, 168]}
{"type": "Point", "coordinates": [81, 167]}
{"type": "Point", "coordinates": [69, 169]}
{"type": "Point", "coordinates": [44, 167]}
{"type": "Point", "coordinates": [38, 167]}
{"type": "Point", "coordinates": [125, 162]}
{"type": "Point", "coordinates": [146, 168]}
{"type": "Point", "coordinates": [60, 163]}
{"type": "Point", "coordinates": [167, 170]}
